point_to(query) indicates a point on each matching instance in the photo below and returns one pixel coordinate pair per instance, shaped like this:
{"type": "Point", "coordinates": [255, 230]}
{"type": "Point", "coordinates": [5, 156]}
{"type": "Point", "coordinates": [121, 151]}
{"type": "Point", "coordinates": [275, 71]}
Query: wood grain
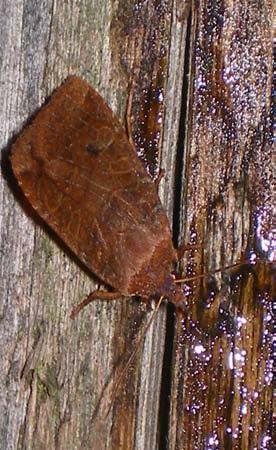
{"type": "Point", "coordinates": [221, 393]}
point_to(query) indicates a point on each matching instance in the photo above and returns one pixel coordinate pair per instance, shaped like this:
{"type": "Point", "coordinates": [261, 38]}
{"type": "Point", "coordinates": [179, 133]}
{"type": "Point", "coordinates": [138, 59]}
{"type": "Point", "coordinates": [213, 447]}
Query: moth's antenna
{"type": "Point", "coordinates": [133, 354]}
{"type": "Point", "coordinates": [206, 274]}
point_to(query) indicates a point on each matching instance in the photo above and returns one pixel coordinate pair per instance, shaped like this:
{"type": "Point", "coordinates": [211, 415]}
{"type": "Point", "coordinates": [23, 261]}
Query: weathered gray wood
{"type": "Point", "coordinates": [55, 373]}
{"type": "Point", "coordinates": [221, 394]}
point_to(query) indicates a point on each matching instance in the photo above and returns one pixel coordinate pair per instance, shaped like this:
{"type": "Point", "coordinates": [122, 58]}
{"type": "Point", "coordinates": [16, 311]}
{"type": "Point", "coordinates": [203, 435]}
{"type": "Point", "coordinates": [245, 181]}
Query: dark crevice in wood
{"type": "Point", "coordinates": [179, 163]}
{"type": "Point", "coordinates": [164, 411]}
{"type": "Point", "coordinates": [166, 380]}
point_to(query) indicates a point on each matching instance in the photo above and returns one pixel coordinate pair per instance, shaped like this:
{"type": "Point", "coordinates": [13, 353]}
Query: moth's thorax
{"type": "Point", "coordinates": [154, 269]}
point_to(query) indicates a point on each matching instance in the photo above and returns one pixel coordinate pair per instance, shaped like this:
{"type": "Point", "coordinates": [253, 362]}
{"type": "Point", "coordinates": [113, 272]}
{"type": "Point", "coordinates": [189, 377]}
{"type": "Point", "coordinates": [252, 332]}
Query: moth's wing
{"type": "Point", "coordinates": [76, 167]}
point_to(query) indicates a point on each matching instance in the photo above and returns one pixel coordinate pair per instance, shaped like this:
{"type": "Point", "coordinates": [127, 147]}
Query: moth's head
{"type": "Point", "coordinates": [174, 294]}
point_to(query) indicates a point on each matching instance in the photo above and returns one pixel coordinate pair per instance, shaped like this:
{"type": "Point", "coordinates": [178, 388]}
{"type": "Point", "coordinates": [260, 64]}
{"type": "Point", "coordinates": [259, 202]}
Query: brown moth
{"type": "Point", "coordinates": [78, 170]}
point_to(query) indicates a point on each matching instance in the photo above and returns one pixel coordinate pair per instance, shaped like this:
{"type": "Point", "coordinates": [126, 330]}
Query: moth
{"type": "Point", "coordinates": [75, 165]}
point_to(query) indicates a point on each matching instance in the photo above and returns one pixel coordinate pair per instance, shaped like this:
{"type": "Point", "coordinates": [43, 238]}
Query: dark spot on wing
{"type": "Point", "coordinates": [90, 148]}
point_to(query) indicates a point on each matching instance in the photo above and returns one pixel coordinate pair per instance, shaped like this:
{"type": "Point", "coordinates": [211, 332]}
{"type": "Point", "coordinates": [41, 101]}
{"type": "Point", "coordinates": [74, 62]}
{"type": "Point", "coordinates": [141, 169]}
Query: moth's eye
{"type": "Point", "coordinates": [90, 148]}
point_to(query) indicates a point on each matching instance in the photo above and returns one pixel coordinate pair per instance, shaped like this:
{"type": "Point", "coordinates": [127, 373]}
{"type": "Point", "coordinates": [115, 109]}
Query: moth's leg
{"type": "Point", "coordinates": [96, 295]}
{"type": "Point", "coordinates": [186, 247]}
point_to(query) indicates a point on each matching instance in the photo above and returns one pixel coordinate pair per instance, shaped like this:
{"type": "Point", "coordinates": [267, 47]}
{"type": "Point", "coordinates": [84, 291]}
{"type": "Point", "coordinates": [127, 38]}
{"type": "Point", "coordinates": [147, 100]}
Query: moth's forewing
{"type": "Point", "coordinates": [76, 167]}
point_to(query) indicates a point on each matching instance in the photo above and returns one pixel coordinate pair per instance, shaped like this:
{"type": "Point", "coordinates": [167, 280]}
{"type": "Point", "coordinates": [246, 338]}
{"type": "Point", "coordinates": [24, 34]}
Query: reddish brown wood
{"type": "Point", "coordinates": [222, 395]}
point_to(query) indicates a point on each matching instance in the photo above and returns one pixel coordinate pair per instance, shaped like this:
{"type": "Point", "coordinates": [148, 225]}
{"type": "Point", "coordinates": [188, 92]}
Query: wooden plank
{"type": "Point", "coordinates": [221, 394]}
{"type": "Point", "coordinates": [59, 375]}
